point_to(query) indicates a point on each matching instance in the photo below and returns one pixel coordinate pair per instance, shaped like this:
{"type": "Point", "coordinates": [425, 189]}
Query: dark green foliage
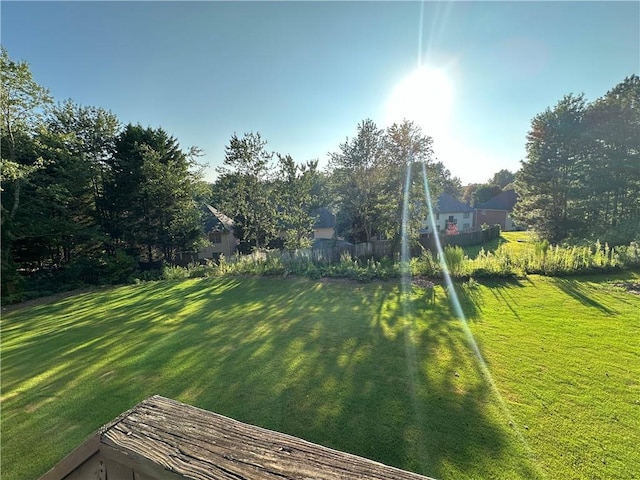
{"type": "Point", "coordinates": [76, 191]}
{"type": "Point", "coordinates": [297, 200]}
{"type": "Point", "coordinates": [502, 178]}
{"type": "Point", "coordinates": [581, 177]}
{"type": "Point", "coordinates": [485, 192]}
{"type": "Point", "coordinates": [367, 179]}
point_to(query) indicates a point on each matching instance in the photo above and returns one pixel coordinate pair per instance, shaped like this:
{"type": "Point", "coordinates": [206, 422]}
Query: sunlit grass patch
{"type": "Point", "coordinates": [363, 368]}
{"type": "Point", "coordinates": [565, 356]}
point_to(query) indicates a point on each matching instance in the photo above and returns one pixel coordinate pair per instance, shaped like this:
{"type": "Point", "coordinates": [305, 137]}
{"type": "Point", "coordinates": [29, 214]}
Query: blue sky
{"type": "Point", "coordinates": [304, 74]}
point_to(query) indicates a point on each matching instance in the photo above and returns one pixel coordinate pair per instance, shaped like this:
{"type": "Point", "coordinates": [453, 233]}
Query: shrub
{"type": "Point", "coordinates": [455, 260]}
{"type": "Point", "coordinates": [174, 272]}
{"type": "Point", "coordinates": [426, 265]}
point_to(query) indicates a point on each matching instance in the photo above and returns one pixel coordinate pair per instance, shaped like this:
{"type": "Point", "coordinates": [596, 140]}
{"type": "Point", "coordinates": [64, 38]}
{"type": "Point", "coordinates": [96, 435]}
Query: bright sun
{"type": "Point", "coordinates": [425, 97]}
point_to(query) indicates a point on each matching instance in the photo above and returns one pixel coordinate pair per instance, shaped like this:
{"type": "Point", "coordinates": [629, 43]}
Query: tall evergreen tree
{"type": "Point", "coordinates": [150, 194]}
{"type": "Point", "coordinates": [550, 175]}
{"type": "Point", "coordinates": [610, 198]}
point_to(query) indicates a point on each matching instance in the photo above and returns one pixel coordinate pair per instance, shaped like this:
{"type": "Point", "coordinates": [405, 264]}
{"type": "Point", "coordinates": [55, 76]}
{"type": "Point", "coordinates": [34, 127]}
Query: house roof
{"type": "Point", "coordinates": [503, 201]}
{"type": "Point", "coordinates": [446, 203]}
{"type": "Point", "coordinates": [216, 221]}
{"type": "Point", "coordinates": [325, 219]}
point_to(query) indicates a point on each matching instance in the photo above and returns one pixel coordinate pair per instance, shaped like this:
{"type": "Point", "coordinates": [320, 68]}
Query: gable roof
{"type": "Point", "coordinates": [448, 204]}
{"type": "Point", "coordinates": [216, 221]}
{"type": "Point", "coordinates": [324, 218]}
{"type": "Point", "coordinates": [503, 201]}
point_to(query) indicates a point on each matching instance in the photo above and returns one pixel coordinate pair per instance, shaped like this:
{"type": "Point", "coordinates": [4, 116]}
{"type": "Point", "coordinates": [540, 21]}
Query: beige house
{"type": "Point", "coordinates": [219, 230]}
{"type": "Point", "coordinates": [325, 226]}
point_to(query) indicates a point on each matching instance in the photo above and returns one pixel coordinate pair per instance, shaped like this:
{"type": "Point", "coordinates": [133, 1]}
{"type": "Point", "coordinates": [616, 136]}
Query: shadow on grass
{"type": "Point", "coordinates": [576, 289]}
{"type": "Point", "coordinates": [360, 368]}
{"type": "Point", "coordinates": [471, 297]}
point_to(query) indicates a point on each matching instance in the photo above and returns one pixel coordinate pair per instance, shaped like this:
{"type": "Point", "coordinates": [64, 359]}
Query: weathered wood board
{"type": "Point", "coordinates": [163, 439]}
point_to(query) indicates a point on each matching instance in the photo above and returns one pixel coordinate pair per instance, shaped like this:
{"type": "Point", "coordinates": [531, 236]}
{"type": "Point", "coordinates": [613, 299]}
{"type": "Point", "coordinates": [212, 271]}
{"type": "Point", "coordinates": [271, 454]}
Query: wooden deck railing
{"type": "Point", "coordinates": [162, 439]}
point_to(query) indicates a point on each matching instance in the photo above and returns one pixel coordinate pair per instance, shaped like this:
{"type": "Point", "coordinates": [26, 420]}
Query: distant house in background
{"type": "Point", "coordinates": [219, 230]}
{"type": "Point", "coordinates": [497, 210]}
{"type": "Point", "coordinates": [450, 211]}
{"type": "Point", "coordinates": [325, 226]}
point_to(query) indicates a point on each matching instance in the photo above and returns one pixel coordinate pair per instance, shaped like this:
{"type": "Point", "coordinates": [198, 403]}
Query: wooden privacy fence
{"type": "Point", "coordinates": [333, 252]}
{"type": "Point", "coordinates": [161, 439]}
{"type": "Point", "coordinates": [465, 239]}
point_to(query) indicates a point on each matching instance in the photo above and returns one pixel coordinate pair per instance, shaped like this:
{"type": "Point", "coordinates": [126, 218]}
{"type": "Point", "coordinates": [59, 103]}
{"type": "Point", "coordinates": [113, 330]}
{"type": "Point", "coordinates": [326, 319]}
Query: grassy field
{"type": "Point", "coordinates": [358, 367]}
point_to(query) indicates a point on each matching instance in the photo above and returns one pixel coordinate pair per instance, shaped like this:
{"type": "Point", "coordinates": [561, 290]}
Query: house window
{"type": "Point", "coordinates": [483, 212]}
{"type": "Point", "coordinates": [452, 220]}
{"type": "Point", "coordinates": [465, 226]}
{"type": "Point", "coordinates": [465, 215]}
{"type": "Point", "coordinates": [215, 237]}
{"type": "Point", "coordinates": [437, 216]}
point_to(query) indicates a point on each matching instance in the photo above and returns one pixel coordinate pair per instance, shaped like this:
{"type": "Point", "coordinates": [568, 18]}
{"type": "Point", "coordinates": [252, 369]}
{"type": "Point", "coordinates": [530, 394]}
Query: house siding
{"type": "Point", "coordinates": [324, 232]}
{"type": "Point", "coordinates": [442, 219]}
{"type": "Point", "coordinates": [495, 217]}
{"type": "Point", "coordinates": [226, 247]}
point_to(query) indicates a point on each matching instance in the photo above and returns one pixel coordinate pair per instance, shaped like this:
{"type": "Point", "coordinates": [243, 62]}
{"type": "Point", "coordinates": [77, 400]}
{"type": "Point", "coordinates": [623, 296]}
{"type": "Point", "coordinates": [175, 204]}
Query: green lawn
{"type": "Point", "coordinates": [357, 367]}
{"type": "Point", "coordinates": [516, 242]}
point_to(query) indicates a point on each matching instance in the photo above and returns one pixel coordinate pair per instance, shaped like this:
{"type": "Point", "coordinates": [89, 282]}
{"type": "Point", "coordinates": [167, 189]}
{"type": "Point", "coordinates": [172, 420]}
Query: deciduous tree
{"type": "Point", "coordinates": [251, 201]}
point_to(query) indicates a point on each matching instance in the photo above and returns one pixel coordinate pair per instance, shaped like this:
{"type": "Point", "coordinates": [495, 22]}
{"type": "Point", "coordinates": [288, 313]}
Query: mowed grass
{"type": "Point", "coordinates": [565, 354]}
{"type": "Point", "coordinates": [515, 242]}
{"type": "Point", "coordinates": [363, 368]}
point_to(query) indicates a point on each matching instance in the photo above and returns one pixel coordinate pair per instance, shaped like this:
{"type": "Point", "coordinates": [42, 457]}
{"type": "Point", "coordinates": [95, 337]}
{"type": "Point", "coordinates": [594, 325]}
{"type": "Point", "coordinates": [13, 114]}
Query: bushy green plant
{"type": "Point", "coordinates": [426, 265]}
{"type": "Point", "coordinates": [174, 272]}
{"type": "Point", "coordinates": [149, 276]}
{"type": "Point", "coordinates": [455, 260]}
{"type": "Point", "coordinates": [121, 268]}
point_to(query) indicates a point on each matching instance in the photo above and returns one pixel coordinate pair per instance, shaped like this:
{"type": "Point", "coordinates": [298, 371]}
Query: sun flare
{"type": "Point", "coordinates": [424, 97]}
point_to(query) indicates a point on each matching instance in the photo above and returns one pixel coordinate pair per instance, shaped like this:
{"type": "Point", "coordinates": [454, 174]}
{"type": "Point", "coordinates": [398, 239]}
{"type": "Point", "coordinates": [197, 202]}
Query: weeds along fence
{"type": "Point", "coordinates": [540, 259]}
{"type": "Point", "coordinates": [335, 252]}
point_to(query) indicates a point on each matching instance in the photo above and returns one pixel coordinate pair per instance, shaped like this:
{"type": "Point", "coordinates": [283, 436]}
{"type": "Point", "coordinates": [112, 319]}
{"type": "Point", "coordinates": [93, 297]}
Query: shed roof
{"type": "Point", "coordinates": [503, 201]}
{"type": "Point", "coordinates": [161, 438]}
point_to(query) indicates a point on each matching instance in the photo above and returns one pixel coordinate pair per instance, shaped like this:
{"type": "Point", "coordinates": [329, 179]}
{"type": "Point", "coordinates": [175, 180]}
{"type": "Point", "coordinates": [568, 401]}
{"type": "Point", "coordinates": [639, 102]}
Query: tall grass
{"type": "Point", "coordinates": [555, 260]}
{"type": "Point", "coordinates": [266, 263]}
{"type": "Point", "coordinates": [543, 259]}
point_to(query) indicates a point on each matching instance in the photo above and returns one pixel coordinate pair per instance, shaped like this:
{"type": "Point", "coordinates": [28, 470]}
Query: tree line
{"type": "Point", "coordinates": [80, 190]}
{"type": "Point", "coordinates": [274, 201]}
{"type": "Point", "coordinates": [87, 197]}
{"type": "Point", "coordinates": [581, 176]}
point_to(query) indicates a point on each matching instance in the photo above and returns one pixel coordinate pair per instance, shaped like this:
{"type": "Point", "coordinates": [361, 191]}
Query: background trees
{"type": "Point", "coordinates": [357, 173]}
{"type": "Point", "coordinates": [77, 189]}
{"type": "Point", "coordinates": [22, 103]}
{"type": "Point", "coordinates": [581, 176]}
{"type": "Point", "coordinates": [367, 178]}
{"type": "Point", "coordinates": [246, 192]}
{"type": "Point", "coordinates": [149, 194]}
{"type": "Point", "coordinates": [298, 199]}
